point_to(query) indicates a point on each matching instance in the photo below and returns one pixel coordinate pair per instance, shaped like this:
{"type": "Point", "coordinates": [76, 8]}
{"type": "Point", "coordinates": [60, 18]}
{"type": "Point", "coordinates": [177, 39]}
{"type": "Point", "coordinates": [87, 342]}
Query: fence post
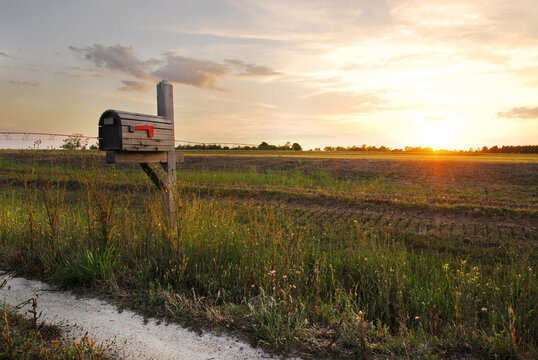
{"type": "Point", "coordinates": [165, 108]}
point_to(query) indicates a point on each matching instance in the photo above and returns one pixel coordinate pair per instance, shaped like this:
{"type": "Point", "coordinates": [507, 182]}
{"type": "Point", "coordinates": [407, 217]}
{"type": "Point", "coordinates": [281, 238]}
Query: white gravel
{"type": "Point", "coordinates": [131, 338]}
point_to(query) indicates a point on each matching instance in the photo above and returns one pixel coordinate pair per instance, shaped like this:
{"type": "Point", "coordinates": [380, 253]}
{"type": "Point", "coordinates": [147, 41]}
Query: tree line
{"type": "Point", "coordinates": [520, 149]}
{"type": "Point", "coordinates": [78, 141]}
{"type": "Point", "coordinates": [263, 146]}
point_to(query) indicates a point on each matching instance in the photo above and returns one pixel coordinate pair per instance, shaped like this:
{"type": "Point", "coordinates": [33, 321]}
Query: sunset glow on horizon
{"type": "Point", "coordinates": [443, 74]}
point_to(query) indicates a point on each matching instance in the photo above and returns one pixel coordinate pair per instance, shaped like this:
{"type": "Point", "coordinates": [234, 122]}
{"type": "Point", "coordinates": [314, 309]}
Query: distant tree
{"type": "Point", "coordinates": [286, 146]}
{"type": "Point", "coordinates": [296, 147]}
{"type": "Point", "coordinates": [266, 146]}
{"type": "Point", "coordinates": [74, 142]}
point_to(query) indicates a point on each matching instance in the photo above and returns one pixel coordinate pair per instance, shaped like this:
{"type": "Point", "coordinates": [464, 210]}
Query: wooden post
{"type": "Point", "coordinates": [165, 108]}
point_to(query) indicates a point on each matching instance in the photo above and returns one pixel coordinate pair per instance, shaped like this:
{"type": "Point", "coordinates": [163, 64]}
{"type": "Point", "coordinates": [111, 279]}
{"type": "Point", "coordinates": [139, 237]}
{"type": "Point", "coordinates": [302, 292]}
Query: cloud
{"type": "Point", "coordinates": [342, 102]}
{"type": "Point", "coordinates": [24, 83]}
{"type": "Point", "coordinates": [6, 55]}
{"type": "Point", "coordinates": [189, 71]}
{"type": "Point", "coordinates": [68, 75]}
{"type": "Point", "coordinates": [116, 57]}
{"type": "Point", "coordinates": [245, 69]}
{"type": "Point", "coordinates": [131, 85]}
{"type": "Point", "coordinates": [177, 69]}
{"type": "Point", "coordinates": [520, 113]}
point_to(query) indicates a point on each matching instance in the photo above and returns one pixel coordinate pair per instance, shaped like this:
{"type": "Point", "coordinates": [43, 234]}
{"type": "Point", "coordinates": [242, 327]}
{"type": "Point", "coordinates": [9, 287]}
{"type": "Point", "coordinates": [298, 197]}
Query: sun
{"type": "Point", "coordinates": [436, 132]}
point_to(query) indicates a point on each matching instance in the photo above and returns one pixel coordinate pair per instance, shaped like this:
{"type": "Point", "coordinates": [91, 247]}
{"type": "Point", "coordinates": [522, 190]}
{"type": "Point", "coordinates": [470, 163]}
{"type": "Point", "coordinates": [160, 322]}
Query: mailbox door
{"type": "Point", "coordinates": [110, 132]}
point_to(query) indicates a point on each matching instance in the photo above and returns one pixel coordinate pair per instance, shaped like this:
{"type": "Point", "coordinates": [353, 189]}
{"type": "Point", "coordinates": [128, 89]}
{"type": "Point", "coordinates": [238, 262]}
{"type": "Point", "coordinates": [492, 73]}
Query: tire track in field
{"type": "Point", "coordinates": [468, 223]}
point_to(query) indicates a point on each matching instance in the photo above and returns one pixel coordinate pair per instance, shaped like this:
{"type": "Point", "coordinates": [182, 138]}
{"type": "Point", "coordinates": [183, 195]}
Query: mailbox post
{"type": "Point", "coordinates": [148, 140]}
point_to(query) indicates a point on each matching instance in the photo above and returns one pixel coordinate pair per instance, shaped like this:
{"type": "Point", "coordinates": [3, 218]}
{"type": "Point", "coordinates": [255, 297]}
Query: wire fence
{"type": "Point", "coordinates": [27, 135]}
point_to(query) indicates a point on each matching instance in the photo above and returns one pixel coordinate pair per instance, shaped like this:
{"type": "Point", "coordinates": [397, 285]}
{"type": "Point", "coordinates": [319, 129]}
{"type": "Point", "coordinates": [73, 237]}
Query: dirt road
{"type": "Point", "coordinates": [130, 335]}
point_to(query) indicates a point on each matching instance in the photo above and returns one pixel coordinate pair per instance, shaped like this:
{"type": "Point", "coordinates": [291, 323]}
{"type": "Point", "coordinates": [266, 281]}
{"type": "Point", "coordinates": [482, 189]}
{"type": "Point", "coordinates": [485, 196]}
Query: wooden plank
{"type": "Point", "coordinates": [158, 175]}
{"type": "Point", "coordinates": [162, 134]}
{"type": "Point", "coordinates": [156, 125]}
{"type": "Point", "coordinates": [141, 117]}
{"type": "Point", "coordinates": [120, 157]}
{"type": "Point", "coordinates": [129, 147]}
{"type": "Point", "coordinates": [143, 135]}
{"type": "Point", "coordinates": [147, 141]}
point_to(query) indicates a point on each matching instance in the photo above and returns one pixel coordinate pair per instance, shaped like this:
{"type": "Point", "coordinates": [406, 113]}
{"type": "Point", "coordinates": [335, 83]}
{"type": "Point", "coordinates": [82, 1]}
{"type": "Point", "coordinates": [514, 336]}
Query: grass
{"type": "Point", "coordinates": [380, 187]}
{"type": "Point", "coordinates": [513, 193]}
{"type": "Point", "coordinates": [291, 280]}
{"type": "Point", "coordinates": [374, 155]}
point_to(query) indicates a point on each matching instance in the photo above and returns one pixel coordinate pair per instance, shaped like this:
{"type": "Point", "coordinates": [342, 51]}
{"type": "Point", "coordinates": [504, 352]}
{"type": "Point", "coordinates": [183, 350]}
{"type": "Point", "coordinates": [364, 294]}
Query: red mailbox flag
{"type": "Point", "coordinates": [148, 128]}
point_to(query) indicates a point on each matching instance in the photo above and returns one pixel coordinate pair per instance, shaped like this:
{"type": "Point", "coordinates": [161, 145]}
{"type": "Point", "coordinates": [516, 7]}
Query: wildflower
{"type": "Point", "coordinates": [417, 317]}
{"type": "Point", "coordinates": [284, 277]}
{"type": "Point", "coordinates": [484, 308]}
{"type": "Point", "coordinates": [272, 272]}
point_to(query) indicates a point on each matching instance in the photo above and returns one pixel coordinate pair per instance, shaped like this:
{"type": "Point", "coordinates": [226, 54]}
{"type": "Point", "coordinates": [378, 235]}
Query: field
{"type": "Point", "coordinates": [315, 254]}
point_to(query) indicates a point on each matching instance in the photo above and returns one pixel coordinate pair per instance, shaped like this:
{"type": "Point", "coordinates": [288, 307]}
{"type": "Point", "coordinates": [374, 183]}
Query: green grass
{"type": "Point", "coordinates": [378, 187]}
{"type": "Point", "coordinates": [518, 193]}
{"type": "Point", "coordinates": [290, 280]}
{"type": "Point", "coordinates": [374, 155]}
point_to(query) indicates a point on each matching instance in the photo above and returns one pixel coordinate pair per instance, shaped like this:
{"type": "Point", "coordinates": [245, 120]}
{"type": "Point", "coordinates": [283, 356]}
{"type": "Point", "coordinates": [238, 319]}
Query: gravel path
{"type": "Point", "coordinates": [132, 338]}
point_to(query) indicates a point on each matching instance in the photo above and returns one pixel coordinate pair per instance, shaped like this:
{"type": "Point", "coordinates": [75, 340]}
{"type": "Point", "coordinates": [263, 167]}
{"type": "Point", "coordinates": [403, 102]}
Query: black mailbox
{"type": "Point", "coordinates": [125, 131]}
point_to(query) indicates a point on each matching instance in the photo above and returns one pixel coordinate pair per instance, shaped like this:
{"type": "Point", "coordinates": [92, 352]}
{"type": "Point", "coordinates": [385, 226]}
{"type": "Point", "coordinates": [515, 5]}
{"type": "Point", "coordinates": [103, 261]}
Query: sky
{"type": "Point", "coordinates": [441, 73]}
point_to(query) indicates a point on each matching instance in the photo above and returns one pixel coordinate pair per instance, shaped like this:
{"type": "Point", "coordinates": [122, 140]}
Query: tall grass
{"type": "Point", "coordinates": [335, 284]}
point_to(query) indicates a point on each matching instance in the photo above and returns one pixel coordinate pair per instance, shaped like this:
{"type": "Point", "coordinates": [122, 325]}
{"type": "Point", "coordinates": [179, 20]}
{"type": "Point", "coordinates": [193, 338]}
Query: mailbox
{"type": "Point", "coordinates": [126, 131]}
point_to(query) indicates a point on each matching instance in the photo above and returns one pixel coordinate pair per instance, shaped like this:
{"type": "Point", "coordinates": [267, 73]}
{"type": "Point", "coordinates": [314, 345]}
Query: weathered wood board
{"type": "Point", "coordinates": [131, 157]}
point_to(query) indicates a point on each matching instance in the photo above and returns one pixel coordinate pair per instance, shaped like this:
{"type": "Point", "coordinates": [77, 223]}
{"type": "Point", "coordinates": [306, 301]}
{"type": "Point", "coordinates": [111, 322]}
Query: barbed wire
{"type": "Point", "coordinates": [26, 136]}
